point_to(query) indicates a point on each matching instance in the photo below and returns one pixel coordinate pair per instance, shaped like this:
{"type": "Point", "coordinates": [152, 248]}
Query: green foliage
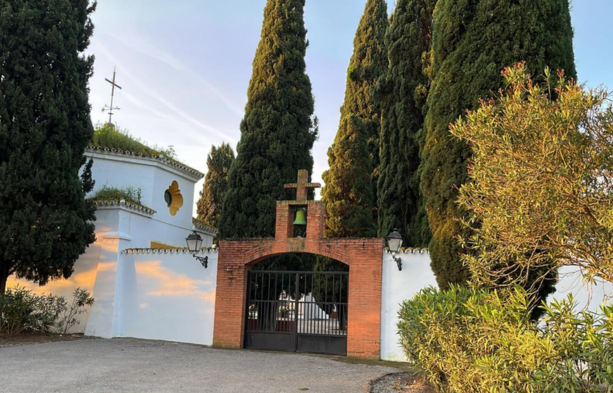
{"type": "Point", "coordinates": [81, 300]}
{"type": "Point", "coordinates": [215, 186]}
{"type": "Point", "coordinates": [45, 125]}
{"type": "Point", "coordinates": [113, 138]}
{"type": "Point", "coordinates": [472, 42]}
{"type": "Point", "coordinates": [348, 192]}
{"type": "Point", "coordinates": [354, 156]}
{"type": "Point", "coordinates": [20, 311]}
{"type": "Point", "coordinates": [583, 345]}
{"type": "Point", "coordinates": [403, 91]}
{"type": "Point", "coordinates": [474, 340]}
{"type": "Point", "coordinates": [539, 195]}
{"type": "Point", "coordinates": [127, 193]}
{"type": "Point", "coordinates": [290, 262]}
{"type": "Point", "coordinates": [278, 130]}
{"type": "Point", "coordinates": [23, 311]}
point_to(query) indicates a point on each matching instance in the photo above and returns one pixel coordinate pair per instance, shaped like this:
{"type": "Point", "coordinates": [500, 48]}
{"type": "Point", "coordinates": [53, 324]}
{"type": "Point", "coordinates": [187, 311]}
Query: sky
{"type": "Point", "coordinates": [184, 66]}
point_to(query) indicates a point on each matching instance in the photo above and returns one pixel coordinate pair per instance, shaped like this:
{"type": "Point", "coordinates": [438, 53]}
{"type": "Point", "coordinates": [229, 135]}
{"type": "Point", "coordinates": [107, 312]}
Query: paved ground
{"type": "Point", "coordinates": [126, 365]}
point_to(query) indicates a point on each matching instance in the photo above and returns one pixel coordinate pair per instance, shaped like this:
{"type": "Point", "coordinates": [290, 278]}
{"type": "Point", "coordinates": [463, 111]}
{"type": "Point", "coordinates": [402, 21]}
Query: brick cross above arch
{"type": "Point", "coordinates": [302, 186]}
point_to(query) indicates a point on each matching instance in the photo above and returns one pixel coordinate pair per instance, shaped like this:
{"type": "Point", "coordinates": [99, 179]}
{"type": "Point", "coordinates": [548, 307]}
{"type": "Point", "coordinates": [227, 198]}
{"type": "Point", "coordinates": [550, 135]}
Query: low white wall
{"type": "Point", "coordinates": [97, 270]}
{"type": "Point", "coordinates": [398, 286]}
{"type": "Point", "coordinates": [83, 277]}
{"type": "Point", "coordinates": [417, 274]}
{"type": "Point", "coordinates": [159, 295]}
{"type": "Point", "coordinates": [588, 296]}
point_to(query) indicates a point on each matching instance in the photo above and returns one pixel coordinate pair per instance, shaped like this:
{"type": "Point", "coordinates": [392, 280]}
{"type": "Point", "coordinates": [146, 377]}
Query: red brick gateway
{"type": "Point", "coordinates": [362, 255]}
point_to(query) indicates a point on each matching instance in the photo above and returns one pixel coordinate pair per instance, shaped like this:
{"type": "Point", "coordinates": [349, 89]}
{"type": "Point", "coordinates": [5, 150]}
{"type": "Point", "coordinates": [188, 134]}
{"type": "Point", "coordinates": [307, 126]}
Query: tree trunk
{"type": "Point", "coordinates": [4, 275]}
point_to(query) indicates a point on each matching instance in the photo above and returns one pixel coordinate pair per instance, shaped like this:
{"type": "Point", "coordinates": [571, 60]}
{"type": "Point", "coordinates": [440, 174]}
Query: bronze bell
{"type": "Point", "coordinates": [300, 217]}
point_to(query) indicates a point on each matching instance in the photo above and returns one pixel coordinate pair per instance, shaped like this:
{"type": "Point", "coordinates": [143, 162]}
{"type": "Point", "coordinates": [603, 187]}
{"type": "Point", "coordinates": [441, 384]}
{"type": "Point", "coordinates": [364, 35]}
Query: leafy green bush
{"type": "Point", "coordinates": [474, 340]}
{"type": "Point", "coordinates": [129, 194]}
{"type": "Point", "coordinates": [23, 311]}
{"type": "Point", "coordinates": [583, 343]}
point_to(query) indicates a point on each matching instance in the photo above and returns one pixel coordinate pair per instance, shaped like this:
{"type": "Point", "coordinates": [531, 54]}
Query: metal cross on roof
{"type": "Point", "coordinates": [111, 108]}
{"type": "Point", "coordinates": [302, 186]}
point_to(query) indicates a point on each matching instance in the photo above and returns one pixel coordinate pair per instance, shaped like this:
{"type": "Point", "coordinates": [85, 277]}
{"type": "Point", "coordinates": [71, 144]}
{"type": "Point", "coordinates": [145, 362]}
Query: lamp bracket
{"type": "Point", "coordinates": [398, 262]}
{"type": "Point", "coordinates": [203, 261]}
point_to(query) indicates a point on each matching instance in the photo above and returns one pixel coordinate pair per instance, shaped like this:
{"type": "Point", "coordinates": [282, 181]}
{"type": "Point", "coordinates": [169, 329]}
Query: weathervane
{"type": "Point", "coordinates": [111, 108]}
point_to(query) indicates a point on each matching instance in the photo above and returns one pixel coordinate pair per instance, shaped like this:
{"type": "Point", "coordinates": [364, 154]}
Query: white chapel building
{"type": "Point", "coordinates": [143, 279]}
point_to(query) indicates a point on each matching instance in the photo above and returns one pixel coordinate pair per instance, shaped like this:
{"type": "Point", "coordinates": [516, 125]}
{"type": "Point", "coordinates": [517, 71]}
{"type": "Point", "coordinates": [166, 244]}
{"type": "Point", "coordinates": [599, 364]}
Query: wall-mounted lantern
{"type": "Point", "coordinates": [394, 243]}
{"type": "Point", "coordinates": [194, 242]}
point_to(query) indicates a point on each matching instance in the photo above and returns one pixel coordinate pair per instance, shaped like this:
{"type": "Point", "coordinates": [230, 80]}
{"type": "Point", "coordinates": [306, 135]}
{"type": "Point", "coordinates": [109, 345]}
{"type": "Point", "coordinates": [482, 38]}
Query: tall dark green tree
{"type": "Point", "coordinates": [473, 41]}
{"type": "Point", "coordinates": [215, 185]}
{"type": "Point", "coordinates": [350, 187]}
{"type": "Point", "coordinates": [278, 130]}
{"type": "Point", "coordinates": [404, 90]}
{"type": "Point", "coordinates": [45, 125]}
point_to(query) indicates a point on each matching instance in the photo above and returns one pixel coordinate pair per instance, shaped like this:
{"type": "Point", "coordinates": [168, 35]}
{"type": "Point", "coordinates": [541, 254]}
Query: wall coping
{"type": "Point", "coordinates": [201, 226]}
{"type": "Point", "coordinates": [123, 205]}
{"type": "Point", "coordinates": [118, 154]}
{"type": "Point", "coordinates": [411, 250]}
{"type": "Point", "coordinates": [142, 251]}
{"type": "Point", "coordinates": [325, 239]}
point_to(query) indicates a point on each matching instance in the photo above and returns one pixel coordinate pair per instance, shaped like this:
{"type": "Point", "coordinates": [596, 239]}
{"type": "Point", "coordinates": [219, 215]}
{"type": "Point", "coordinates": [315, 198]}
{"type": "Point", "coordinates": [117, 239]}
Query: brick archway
{"type": "Point", "coordinates": [363, 255]}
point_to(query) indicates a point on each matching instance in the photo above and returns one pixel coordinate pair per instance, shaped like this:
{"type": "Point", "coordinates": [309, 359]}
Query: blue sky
{"type": "Point", "coordinates": [184, 65]}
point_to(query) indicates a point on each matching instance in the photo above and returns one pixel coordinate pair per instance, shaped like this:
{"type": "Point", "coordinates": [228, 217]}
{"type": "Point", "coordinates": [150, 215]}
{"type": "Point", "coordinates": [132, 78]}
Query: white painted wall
{"type": "Point", "coordinates": [588, 296]}
{"type": "Point", "coordinates": [84, 277]}
{"type": "Point", "coordinates": [398, 286]}
{"type": "Point", "coordinates": [143, 229]}
{"type": "Point", "coordinates": [118, 171]}
{"type": "Point", "coordinates": [153, 178]}
{"type": "Point", "coordinates": [102, 321]}
{"type": "Point", "coordinates": [161, 296]}
{"type": "Point", "coordinates": [119, 228]}
{"type": "Point", "coordinates": [416, 274]}
{"type": "Point", "coordinates": [169, 297]}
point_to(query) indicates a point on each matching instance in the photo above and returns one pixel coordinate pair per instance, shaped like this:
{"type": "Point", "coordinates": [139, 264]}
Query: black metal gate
{"type": "Point", "coordinates": [297, 311]}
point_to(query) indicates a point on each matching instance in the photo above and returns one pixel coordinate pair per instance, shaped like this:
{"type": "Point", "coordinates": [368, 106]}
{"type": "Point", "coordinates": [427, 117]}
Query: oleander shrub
{"type": "Point", "coordinates": [477, 340]}
{"type": "Point", "coordinates": [81, 301]}
{"type": "Point", "coordinates": [583, 343]}
{"type": "Point", "coordinates": [21, 310]}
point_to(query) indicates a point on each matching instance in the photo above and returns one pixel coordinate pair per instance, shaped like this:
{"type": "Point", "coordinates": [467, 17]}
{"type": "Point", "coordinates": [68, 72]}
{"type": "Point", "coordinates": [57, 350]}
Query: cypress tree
{"type": "Point", "coordinates": [403, 91]}
{"type": "Point", "coordinates": [209, 205]}
{"type": "Point", "coordinates": [278, 130]}
{"type": "Point", "coordinates": [353, 158]}
{"type": "Point", "coordinates": [45, 125]}
{"type": "Point", "coordinates": [473, 41]}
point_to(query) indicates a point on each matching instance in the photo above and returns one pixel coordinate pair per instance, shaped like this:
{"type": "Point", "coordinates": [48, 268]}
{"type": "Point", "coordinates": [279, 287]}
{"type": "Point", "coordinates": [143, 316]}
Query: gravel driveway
{"type": "Point", "coordinates": [127, 365]}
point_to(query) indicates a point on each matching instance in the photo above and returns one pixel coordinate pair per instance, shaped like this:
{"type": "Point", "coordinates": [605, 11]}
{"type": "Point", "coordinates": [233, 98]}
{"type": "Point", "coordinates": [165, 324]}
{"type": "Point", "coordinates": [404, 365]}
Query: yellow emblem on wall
{"type": "Point", "coordinates": [173, 198]}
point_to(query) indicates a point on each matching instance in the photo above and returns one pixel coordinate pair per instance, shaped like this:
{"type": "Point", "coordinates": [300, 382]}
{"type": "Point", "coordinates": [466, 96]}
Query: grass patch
{"type": "Point", "coordinates": [113, 138]}
{"type": "Point", "coordinates": [129, 194]}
